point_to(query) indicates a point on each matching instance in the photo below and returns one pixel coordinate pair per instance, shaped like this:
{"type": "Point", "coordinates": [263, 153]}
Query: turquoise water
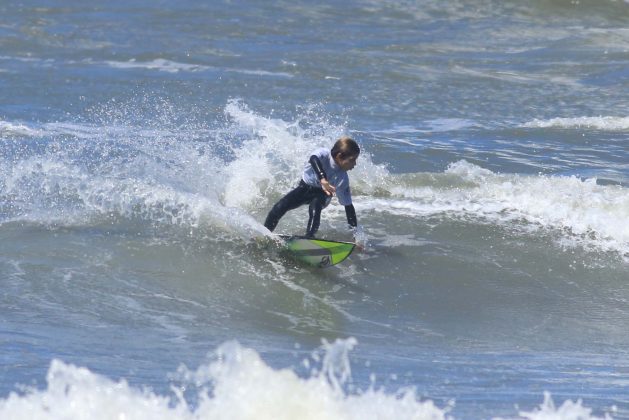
{"type": "Point", "coordinates": [142, 144]}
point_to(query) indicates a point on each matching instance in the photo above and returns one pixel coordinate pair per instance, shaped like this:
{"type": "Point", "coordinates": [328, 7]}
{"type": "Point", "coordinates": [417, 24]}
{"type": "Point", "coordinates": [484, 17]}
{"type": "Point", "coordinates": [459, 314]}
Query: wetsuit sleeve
{"type": "Point", "coordinates": [318, 167]}
{"type": "Point", "coordinates": [350, 212]}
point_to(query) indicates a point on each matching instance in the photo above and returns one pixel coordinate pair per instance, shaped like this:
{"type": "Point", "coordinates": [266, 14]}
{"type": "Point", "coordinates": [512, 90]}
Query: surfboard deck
{"type": "Point", "coordinates": [317, 252]}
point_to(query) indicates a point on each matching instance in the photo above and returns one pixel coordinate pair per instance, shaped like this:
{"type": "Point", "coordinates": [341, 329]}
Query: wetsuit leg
{"type": "Point", "coordinates": [297, 197]}
{"type": "Point", "coordinates": [314, 212]}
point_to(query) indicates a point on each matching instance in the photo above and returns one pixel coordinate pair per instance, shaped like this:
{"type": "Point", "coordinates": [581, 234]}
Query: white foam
{"type": "Point", "coordinates": [590, 214]}
{"type": "Point", "coordinates": [517, 76]}
{"type": "Point", "coordinates": [170, 66]}
{"type": "Point", "coordinates": [164, 204]}
{"type": "Point", "coordinates": [271, 159]}
{"type": "Point", "coordinates": [159, 64]}
{"type": "Point", "coordinates": [272, 156]}
{"type": "Point", "coordinates": [49, 190]}
{"type": "Point", "coordinates": [599, 123]}
{"type": "Point", "coordinates": [568, 410]}
{"type": "Point", "coordinates": [17, 129]}
{"type": "Point", "coordinates": [238, 385]}
{"type": "Point", "coordinates": [173, 181]}
{"type": "Point", "coordinates": [77, 393]}
{"type": "Point", "coordinates": [156, 174]}
{"type": "Point", "coordinates": [84, 131]}
{"type": "Point", "coordinates": [118, 169]}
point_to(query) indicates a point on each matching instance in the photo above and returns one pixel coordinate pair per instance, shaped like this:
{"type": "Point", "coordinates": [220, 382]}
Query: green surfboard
{"type": "Point", "coordinates": [318, 252]}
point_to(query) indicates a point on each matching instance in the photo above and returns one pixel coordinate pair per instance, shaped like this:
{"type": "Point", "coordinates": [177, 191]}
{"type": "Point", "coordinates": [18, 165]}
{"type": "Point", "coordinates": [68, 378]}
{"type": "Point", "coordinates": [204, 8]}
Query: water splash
{"type": "Point", "coordinates": [238, 385]}
{"type": "Point", "coordinates": [568, 410]}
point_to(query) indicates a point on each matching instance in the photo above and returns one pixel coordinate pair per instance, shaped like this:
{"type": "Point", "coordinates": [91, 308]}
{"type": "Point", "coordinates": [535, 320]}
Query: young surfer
{"type": "Point", "coordinates": [324, 176]}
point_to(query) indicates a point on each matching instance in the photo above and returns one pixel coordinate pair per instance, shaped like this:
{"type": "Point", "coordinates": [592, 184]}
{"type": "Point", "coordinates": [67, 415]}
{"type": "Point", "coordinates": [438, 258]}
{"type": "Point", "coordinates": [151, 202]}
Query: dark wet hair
{"type": "Point", "coordinates": [346, 146]}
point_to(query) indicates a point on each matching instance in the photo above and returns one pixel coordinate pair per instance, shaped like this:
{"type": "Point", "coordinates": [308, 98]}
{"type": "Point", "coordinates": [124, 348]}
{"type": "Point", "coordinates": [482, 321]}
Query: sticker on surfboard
{"type": "Point", "coordinates": [318, 252]}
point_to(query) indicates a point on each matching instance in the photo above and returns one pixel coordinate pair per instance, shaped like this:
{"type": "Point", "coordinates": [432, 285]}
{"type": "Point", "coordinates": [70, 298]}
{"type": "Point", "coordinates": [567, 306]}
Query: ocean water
{"type": "Point", "coordinates": [143, 142]}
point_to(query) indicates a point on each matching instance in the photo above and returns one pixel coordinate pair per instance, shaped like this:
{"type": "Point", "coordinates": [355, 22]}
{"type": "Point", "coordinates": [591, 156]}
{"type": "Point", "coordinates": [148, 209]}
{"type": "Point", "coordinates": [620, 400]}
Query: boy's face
{"type": "Point", "coordinates": [346, 164]}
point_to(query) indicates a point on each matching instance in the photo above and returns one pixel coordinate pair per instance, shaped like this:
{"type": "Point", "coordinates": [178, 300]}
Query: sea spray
{"type": "Point", "coordinates": [238, 385]}
{"type": "Point", "coordinates": [568, 410]}
{"type": "Point", "coordinates": [241, 386]}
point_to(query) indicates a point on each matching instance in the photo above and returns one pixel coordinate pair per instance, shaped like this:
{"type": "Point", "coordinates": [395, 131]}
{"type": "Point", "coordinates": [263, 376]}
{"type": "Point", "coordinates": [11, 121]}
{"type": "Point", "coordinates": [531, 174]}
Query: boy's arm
{"type": "Point", "coordinates": [318, 167]}
{"type": "Point", "coordinates": [350, 212]}
{"type": "Point", "coordinates": [323, 179]}
{"type": "Point", "coordinates": [359, 236]}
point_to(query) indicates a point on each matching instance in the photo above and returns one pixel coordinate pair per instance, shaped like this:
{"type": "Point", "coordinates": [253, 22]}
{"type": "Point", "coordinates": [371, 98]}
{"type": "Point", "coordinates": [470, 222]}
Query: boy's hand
{"type": "Point", "coordinates": [327, 188]}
